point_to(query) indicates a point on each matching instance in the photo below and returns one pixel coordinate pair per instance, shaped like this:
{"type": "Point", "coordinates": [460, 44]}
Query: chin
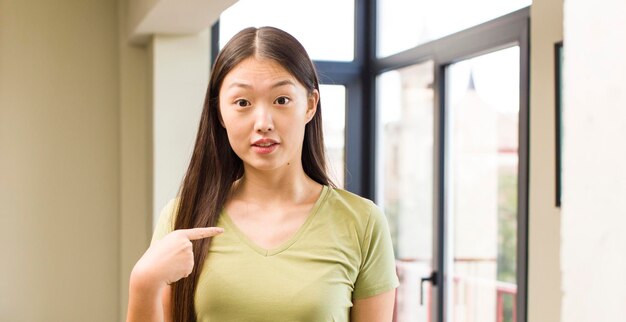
{"type": "Point", "coordinates": [267, 165]}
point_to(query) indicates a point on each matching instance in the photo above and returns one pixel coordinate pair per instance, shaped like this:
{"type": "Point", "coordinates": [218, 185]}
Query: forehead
{"type": "Point", "coordinates": [257, 71]}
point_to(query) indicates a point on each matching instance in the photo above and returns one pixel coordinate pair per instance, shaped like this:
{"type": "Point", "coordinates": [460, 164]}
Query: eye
{"type": "Point", "coordinates": [242, 103]}
{"type": "Point", "coordinates": [283, 100]}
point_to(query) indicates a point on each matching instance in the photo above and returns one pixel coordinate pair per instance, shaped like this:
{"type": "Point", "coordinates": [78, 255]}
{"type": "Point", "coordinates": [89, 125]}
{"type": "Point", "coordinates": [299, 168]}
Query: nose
{"type": "Point", "coordinates": [264, 122]}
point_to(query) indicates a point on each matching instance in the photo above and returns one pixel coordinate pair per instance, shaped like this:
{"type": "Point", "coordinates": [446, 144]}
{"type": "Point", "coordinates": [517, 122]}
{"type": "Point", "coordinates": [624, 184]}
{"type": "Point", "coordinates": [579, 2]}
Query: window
{"type": "Point", "coordinates": [334, 127]}
{"type": "Point", "coordinates": [324, 27]}
{"type": "Point", "coordinates": [452, 171]}
{"type": "Point", "coordinates": [419, 22]}
{"type": "Point", "coordinates": [405, 167]}
{"type": "Point", "coordinates": [483, 118]}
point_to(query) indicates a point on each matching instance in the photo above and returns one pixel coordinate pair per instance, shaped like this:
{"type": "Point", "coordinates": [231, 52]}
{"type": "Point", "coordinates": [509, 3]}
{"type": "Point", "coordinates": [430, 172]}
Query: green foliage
{"type": "Point", "coordinates": [507, 235]}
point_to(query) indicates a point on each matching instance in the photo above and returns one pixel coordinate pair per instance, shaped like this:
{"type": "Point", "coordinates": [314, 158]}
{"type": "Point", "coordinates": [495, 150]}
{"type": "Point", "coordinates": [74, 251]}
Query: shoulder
{"type": "Point", "coordinates": [346, 200]}
{"type": "Point", "coordinates": [170, 209]}
{"type": "Point", "coordinates": [165, 222]}
{"type": "Point", "coordinates": [348, 206]}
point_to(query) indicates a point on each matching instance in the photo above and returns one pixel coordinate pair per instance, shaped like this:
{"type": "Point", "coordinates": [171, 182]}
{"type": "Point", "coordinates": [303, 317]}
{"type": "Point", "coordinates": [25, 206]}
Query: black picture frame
{"type": "Point", "coordinates": [558, 97]}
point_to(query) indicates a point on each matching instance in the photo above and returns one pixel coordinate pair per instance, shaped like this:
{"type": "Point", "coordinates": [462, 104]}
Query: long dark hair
{"type": "Point", "coordinates": [214, 166]}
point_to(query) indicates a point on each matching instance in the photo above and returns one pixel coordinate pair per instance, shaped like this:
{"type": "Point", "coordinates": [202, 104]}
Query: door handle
{"type": "Point", "coordinates": [432, 279]}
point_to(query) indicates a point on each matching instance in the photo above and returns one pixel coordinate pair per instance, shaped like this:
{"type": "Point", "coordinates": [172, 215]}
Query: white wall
{"type": "Point", "coordinates": [180, 66]}
{"type": "Point", "coordinates": [594, 212]}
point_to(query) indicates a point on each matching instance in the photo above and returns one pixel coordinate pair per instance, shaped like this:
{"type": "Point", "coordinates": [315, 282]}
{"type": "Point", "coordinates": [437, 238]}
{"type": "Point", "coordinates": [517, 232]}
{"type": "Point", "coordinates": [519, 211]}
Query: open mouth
{"type": "Point", "coordinates": [264, 147]}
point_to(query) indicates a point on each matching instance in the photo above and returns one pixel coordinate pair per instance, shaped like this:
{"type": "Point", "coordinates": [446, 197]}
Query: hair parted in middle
{"type": "Point", "coordinates": [214, 166]}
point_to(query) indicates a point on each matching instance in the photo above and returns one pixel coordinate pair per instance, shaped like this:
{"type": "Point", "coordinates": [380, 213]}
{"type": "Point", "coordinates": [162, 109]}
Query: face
{"type": "Point", "coordinates": [264, 110]}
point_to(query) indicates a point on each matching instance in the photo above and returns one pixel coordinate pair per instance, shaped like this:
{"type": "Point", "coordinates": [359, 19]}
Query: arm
{"type": "Point", "coordinates": [378, 308]}
{"type": "Point", "coordinates": [145, 300]}
{"type": "Point", "coordinates": [165, 262]}
{"type": "Point", "coordinates": [144, 305]}
{"type": "Point", "coordinates": [167, 304]}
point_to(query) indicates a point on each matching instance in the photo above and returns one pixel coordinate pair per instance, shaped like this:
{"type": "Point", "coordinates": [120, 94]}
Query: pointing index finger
{"type": "Point", "coordinates": [202, 232]}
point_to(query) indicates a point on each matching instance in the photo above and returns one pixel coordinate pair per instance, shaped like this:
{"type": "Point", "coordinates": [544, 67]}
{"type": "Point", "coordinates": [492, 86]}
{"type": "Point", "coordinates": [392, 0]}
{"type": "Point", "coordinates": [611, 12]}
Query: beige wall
{"type": "Point", "coordinates": [59, 161]}
{"type": "Point", "coordinates": [171, 17]}
{"type": "Point", "coordinates": [136, 159]}
{"type": "Point", "coordinates": [78, 106]}
{"type": "Point", "coordinates": [77, 145]}
{"type": "Point", "coordinates": [544, 276]}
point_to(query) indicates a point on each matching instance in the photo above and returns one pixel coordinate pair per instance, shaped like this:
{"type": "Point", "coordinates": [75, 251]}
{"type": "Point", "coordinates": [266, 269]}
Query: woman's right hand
{"type": "Point", "coordinates": [169, 259]}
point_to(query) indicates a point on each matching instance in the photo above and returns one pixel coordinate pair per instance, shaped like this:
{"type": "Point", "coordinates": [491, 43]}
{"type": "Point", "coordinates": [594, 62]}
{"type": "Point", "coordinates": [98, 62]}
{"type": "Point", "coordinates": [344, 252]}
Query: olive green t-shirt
{"type": "Point", "coordinates": [342, 252]}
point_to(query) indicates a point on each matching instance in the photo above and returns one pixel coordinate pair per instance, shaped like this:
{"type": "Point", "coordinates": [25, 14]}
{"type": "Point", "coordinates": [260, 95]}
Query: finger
{"type": "Point", "coordinates": [200, 233]}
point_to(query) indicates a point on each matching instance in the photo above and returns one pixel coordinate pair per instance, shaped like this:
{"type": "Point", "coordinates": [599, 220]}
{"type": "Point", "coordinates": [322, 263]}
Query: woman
{"type": "Point", "coordinates": [287, 245]}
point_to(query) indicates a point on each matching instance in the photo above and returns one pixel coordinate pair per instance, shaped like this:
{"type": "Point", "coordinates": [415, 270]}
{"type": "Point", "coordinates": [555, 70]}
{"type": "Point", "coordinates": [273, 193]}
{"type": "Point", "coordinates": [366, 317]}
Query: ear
{"type": "Point", "coordinates": [314, 98]}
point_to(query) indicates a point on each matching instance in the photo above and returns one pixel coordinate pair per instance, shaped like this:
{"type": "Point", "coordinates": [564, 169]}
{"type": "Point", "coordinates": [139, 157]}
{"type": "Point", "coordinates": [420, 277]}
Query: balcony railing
{"type": "Point", "coordinates": [472, 297]}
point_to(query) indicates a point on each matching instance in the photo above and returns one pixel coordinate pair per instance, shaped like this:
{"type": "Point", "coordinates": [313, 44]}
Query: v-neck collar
{"type": "Point", "coordinates": [285, 245]}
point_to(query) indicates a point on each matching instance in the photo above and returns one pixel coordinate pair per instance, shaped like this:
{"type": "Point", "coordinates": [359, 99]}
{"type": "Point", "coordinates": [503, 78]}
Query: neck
{"type": "Point", "coordinates": [290, 184]}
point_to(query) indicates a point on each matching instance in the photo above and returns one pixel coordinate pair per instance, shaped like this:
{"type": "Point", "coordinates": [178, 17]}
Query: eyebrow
{"type": "Point", "coordinates": [277, 84]}
{"type": "Point", "coordinates": [283, 83]}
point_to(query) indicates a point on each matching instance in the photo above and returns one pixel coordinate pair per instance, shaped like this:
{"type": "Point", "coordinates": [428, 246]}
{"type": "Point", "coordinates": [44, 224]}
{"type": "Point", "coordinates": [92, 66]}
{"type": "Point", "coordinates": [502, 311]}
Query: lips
{"type": "Point", "coordinates": [265, 146]}
{"type": "Point", "coordinates": [264, 142]}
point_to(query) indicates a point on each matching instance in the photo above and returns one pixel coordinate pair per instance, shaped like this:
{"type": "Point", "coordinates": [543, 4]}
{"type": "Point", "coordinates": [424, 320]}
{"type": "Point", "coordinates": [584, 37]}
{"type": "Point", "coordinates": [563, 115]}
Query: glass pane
{"type": "Point", "coordinates": [324, 27]}
{"type": "Point", "coordinates": [405, 179]}
{"type": "Point", "coordinates": [481, 194]}
{"type": "Point", "coordinates": [333, 99]}
{"type": "Point", "coordinates": [406, 24]}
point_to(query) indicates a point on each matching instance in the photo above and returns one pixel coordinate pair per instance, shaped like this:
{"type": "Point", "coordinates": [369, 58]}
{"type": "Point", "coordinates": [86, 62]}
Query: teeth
{"type": "Point", "coordinates": [264, 144]}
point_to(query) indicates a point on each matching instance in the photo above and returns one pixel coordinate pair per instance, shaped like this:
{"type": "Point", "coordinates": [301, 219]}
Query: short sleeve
{"type": "Point", "coordinates": [165, 223]}
{"type": "Point", "coordinates": [377, 273]}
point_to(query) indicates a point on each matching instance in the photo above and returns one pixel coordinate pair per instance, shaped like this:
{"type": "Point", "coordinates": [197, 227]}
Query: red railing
{"type": "Point", "coordinates": [502, 289]}
{"type": "Point", "coordinates": [501, 292]}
